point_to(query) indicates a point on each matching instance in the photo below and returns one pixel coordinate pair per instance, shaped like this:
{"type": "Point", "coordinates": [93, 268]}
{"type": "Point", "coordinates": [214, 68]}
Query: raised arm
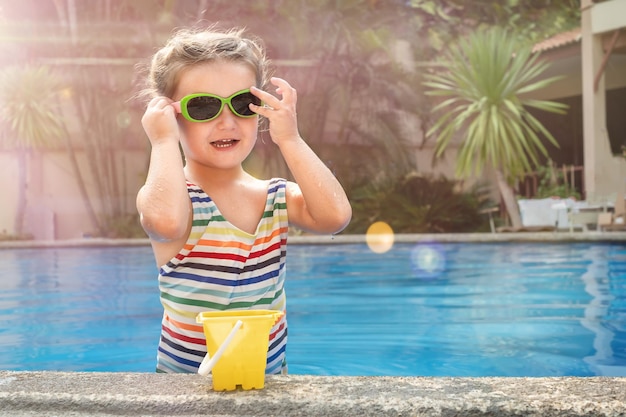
{"type": "Point", "coordinates": [316, 201]}
{"type": "Point", "coordinates": [163, 203]}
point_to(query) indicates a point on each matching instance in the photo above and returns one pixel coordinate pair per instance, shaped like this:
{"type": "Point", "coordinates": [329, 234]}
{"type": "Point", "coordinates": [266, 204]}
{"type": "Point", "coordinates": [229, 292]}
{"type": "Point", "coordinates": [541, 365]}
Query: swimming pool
{"type": "Point", "coordinates": [449, 309]}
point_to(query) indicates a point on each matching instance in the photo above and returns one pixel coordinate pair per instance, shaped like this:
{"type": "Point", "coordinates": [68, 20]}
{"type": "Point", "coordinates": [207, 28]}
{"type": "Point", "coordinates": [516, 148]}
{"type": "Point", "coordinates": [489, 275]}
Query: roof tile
{"type": "Point", "coordinates": [558, 40]}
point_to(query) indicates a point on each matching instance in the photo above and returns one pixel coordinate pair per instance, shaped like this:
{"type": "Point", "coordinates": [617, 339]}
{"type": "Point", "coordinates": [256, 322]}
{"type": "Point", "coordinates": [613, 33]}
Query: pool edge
{"type": "Point", "coordinates": [126, 394]}
{"type": "Point", "coordinates": [561, 236]}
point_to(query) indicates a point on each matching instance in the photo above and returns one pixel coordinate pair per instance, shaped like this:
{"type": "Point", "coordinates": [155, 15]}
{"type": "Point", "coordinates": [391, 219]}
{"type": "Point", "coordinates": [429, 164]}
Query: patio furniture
{"type": "Point", "coordinates": [490, 211]}
{"type": "Point", "coordinates": [584, 217]}
{"type": "Point", "coordinates": [540, 213]}
{"type": "Point", "coordinates": [616, 220]}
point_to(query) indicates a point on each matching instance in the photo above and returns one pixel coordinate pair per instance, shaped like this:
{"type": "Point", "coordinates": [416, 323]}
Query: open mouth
{"type": "Point", "coordinates": [224, 143]}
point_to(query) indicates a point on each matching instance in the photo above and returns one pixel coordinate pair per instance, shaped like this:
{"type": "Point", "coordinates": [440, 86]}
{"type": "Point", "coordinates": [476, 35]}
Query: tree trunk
{"type": "Point", "coordinates": [22, 166]}
{"type": "Point", "coordinates": [80, 181]}
{"type": "Point", "coordinates": [510, 202]}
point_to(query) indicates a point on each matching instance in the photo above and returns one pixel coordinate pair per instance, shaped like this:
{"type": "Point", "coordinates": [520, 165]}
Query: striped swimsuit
{"type": "Point", "coordinates": [223, 268]}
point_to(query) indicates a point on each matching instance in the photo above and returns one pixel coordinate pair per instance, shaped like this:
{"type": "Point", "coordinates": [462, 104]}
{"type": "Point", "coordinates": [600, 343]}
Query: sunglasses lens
{"type": "Point", "coordinates": [241, 101]}
{"type": "Point", "coordinates": [203, 107]}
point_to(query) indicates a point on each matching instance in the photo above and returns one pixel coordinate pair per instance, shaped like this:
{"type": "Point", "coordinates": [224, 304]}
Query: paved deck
{"type": "Point", "coordinates": [142, 394]}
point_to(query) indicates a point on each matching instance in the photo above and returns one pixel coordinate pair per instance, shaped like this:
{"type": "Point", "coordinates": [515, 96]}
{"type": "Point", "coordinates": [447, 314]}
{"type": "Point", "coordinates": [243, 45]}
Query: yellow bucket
{"type": "Point", "coordinates": [244, 359]}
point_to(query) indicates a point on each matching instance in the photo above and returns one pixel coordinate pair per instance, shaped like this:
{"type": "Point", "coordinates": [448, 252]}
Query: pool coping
{"type": "Point", "coordinates": [143, 394]}
{"type": "Point", "coordinates": [558, 236]}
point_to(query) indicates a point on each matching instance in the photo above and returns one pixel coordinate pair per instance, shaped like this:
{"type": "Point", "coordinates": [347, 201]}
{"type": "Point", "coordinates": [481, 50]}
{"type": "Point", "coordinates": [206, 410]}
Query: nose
{"type": "Point", "coordinates": [227, 118]}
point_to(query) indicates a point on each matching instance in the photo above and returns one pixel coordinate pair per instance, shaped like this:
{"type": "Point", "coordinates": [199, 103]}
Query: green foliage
{"type": "Point", "coordinates": [530, 21]}
{"type": "Point", "coordinates": [30, 115]}
{"type": "Point", "coordinates": [419, 204]}
{"type": "Point", "coordinates": [124, 226]}
{"type": "Point", "coordinates": [484, 85]}
{"type": "Point", "coordinates": [4, 236]}
{"type": "Point", "coordinates": [552, 183]}
{"type": "Point", "coordinates": [354, 98]}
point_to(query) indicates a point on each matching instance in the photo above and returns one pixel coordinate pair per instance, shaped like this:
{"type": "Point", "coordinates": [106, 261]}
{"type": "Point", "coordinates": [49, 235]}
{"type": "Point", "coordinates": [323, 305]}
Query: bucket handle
{"type": "Point", "coordinates": [208, 363]}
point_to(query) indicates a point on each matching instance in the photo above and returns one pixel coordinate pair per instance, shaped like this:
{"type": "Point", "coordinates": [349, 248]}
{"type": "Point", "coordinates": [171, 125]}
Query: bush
{"type": "Point", "coordinates": [124, 226]}
{"type": "Point", "coordinates": [420, 204]}
{"type": "Point", "coordinates": [552, 183]}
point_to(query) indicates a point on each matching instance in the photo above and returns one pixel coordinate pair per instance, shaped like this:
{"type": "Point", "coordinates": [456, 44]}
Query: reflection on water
{"type": "Point", "coordinates": [516, 309]}
{"type": "Point", "coordinates": [494, 309]}
{"type": "Point", "coordinates": [605, 315]}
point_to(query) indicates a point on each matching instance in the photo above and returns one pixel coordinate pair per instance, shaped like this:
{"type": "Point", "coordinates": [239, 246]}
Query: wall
{"type": "Point", "coordinates": [55, 208]}
{"type": "Point", "coordinates": [8, 191]}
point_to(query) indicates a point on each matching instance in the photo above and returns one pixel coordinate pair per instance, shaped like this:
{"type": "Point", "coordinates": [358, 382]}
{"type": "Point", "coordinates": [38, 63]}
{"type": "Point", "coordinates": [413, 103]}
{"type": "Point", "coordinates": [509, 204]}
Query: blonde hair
{"type": "Point", "coordinates": [189, 47]}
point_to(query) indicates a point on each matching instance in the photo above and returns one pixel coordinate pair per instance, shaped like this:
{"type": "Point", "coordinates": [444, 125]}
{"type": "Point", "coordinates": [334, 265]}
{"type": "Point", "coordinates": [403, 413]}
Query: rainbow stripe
{"type": "Point", "coordinates": [224, 268]}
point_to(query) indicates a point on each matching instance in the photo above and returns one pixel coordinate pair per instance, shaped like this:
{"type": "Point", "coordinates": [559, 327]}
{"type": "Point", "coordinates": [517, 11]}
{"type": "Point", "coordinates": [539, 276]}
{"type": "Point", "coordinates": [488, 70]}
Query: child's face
{"type": "Point", "coordinates": [227, 140]}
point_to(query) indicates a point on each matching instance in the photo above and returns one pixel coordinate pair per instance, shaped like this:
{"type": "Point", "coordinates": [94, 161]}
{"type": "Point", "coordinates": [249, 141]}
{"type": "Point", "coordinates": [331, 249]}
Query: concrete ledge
{"type": "Point", "coordinates": [472, 237]}
{"type": "Point", "coordinates": [142, 394]}
{"type": "Point", "coordinates": [346, 238]}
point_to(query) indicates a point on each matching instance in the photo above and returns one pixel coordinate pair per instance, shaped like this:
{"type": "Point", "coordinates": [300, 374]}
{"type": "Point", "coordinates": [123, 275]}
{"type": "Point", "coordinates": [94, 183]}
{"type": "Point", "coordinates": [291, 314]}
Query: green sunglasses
{"type": "Point", "coordinates": [203, 107]}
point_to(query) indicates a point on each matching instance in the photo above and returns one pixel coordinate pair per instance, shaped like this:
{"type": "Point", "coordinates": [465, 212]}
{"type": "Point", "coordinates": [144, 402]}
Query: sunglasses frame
{"type": "Point", "coordinates": [181, 106]}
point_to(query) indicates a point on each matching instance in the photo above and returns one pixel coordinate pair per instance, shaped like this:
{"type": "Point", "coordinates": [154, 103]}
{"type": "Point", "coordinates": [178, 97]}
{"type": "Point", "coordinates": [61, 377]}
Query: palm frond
{"type": "Point", "coordinates": [30, 116]}
{"type": "Point", "coordinates": [486, 85]}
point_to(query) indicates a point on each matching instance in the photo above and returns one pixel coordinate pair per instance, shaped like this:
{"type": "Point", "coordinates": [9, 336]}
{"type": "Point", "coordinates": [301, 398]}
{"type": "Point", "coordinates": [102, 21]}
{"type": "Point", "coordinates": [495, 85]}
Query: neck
{"type": "Point", "coordinates": [208, 177]}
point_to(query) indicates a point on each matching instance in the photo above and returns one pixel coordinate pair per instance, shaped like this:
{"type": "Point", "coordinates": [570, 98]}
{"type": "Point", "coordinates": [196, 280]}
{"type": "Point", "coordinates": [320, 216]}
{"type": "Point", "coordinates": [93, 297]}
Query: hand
{"type": "Point", "coordinates": [159, 121]}
{"type": "Point", "coordinates": [281, 113]}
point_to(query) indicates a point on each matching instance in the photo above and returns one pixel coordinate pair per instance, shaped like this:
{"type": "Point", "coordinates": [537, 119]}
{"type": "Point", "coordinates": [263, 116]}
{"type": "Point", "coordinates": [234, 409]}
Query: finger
{"type": "Point", "coordinates": [283, 88]}
{"type": "Point", "coordinates": [154, 103]}
{"type": "Point", "coordinates": [279, 82]}
{"type": "Point", "coordinates": [159, 103]}
{"type": "Point", "coordinates": [267, 98]}
{"type": "Point", "coordinates": [263, 110]}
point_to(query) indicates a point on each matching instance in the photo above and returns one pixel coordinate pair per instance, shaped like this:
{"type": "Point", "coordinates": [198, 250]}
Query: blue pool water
{"type": "Point", "coordinates": [502, 309]}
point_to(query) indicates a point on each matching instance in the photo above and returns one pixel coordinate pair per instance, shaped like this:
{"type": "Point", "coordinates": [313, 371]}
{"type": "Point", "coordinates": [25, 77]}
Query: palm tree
{"type": "Point", "coordinates": [29, 121]}
{"type": "Point", "coordinates": [34, 108]}
{"type": "Point", "coordinates": [32, 120]}
{"type": "Point", "coordinates": [486, 88]}
{"type": "Point", "coordinates": [353, 97]}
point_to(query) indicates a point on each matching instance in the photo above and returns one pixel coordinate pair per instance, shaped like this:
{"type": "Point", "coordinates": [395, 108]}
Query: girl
{"type": "Point", "coordinates": [219, 234]}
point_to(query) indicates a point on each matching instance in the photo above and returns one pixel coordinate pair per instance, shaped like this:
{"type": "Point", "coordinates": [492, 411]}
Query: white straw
{"type": "Point", "coordinates": [208, 363]}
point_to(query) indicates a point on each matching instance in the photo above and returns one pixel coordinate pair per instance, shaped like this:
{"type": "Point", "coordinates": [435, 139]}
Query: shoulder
{"type": "Point", "coordinates": [275, 185]}
{"type": "Point", "coordinates": [288, 187]}
{"type": "Point", "coordinates": [293, 194]}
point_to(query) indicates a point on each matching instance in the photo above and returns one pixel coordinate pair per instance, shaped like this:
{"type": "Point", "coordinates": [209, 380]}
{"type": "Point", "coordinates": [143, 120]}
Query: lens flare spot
{"type": "Point", "coordinates": [123, 119]}
{"type": "Point", "coordinates": [67, 93]}
{"type": "Point", "coordinates": [428, 261]}
{"type": "Point", "coordinates": [379, 237]}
